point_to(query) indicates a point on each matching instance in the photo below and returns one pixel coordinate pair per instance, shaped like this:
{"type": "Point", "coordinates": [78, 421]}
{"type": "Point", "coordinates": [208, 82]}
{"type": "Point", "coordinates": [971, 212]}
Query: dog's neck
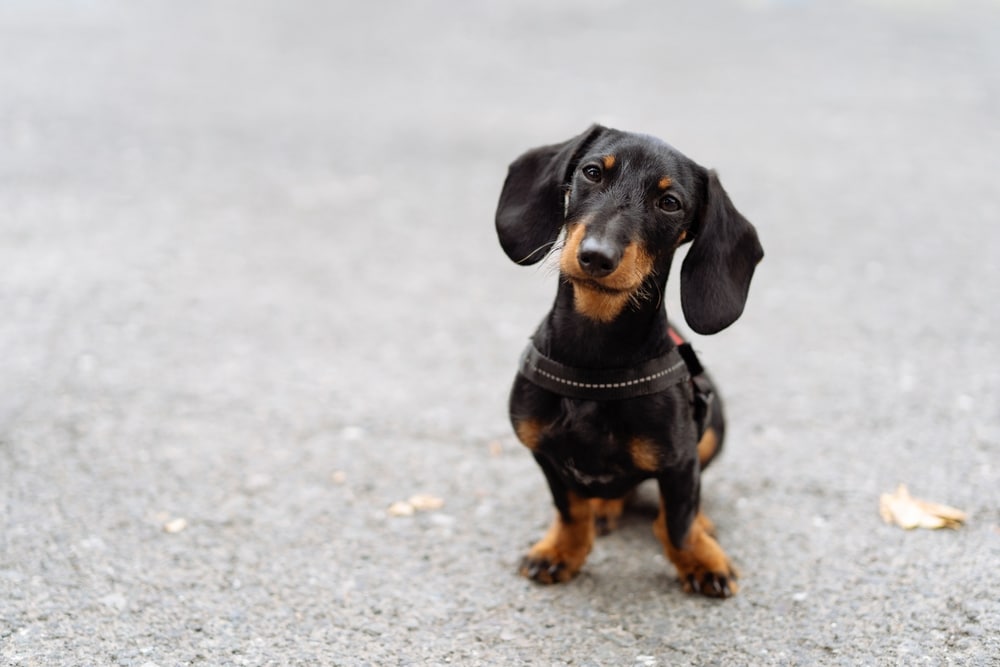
{"type": "Point", "coordinates": [634, 335]}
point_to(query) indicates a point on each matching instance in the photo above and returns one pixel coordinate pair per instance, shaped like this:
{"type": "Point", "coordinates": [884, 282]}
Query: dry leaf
{"type": "Point", "coordinates": [417, 503]}
{"type": "Point", "coordinates": [175, 525]}
{"type": "Point", "coordinates": [426, 503]}
{"type": "Point", "coordinates": [401, 508]}
{"type": "Point", "coordinates": [904, 510]}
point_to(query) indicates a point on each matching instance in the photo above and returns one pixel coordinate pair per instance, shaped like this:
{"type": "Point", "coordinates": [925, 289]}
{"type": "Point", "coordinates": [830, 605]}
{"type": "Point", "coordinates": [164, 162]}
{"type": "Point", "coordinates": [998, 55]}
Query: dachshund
{"type": "Point", "coordinates": [607, 395]}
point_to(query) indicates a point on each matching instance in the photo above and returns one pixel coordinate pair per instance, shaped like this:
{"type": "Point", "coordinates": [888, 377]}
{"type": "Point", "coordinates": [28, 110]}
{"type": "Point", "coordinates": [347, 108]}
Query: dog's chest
{"type": "Point", "coordinates": [595, 450]}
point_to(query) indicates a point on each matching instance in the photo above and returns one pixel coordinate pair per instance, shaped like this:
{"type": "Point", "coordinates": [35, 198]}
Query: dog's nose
{"type": "Point", "coordinates": [598, 258]}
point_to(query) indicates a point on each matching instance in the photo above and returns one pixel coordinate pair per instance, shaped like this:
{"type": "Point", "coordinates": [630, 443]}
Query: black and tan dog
{"type": "Point", "coordinates": [607, 395]}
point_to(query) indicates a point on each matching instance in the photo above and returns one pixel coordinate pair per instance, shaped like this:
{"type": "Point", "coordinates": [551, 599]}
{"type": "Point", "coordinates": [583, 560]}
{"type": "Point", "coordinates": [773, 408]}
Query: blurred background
{"type": "Point", "coordinates": [250, 292]}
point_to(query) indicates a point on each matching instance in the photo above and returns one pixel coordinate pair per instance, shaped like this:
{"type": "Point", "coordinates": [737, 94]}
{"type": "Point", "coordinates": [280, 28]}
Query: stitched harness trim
{"type": "Point", "coordinates": [650, 377]}
{"type": "Point", "coordinates": [611, 385]}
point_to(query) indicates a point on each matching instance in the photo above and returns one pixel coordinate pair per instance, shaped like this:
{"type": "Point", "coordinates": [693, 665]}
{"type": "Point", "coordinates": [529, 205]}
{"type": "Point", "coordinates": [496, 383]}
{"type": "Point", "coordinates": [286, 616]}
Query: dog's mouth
{"type": "Point", "coordinates": [600, 301]}
{"type": "Point", "coordinates": [597, 286]}
{"type": "Point", "coordinates": [627, 279]}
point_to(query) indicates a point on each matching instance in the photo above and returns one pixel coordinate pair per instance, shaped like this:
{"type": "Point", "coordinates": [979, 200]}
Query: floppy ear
{"type": "Point", "coordinates": [716, 273]}
{"type": "Point", "coordinates": [531, 209]}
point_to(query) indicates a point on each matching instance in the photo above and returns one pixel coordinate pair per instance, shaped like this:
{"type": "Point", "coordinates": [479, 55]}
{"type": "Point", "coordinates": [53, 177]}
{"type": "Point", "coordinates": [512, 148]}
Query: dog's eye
{"type": "Point", "coordinates": [669, 203]}
{"type": "Point", "coordinates": [592, 172]}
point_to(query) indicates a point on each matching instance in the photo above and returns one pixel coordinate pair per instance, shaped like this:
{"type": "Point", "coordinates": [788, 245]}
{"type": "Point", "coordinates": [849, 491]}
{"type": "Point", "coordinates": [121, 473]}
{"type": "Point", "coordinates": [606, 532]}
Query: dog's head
{"type": "Point", "coordinates": [628, 201]}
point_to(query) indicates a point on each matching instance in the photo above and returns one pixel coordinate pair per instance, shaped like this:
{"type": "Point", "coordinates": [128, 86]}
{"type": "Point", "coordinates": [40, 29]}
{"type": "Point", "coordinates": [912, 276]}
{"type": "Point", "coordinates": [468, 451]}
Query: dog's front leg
{"type": "Point", "coordinates": [686, 534]}
{"type": "Point", "coordinates": [559, 555]}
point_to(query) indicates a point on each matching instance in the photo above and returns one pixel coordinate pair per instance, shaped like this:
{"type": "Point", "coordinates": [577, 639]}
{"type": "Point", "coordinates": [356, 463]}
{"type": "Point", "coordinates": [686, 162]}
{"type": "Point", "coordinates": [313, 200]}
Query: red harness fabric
{"type": "Point", "coordinates": [704, 394]}
{"type": "Point", "coordinates": [676, 337]}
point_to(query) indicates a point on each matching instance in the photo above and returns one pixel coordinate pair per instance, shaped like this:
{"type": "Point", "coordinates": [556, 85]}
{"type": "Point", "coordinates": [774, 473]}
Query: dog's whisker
{"type": "Point", "coordinates": [552, 267]}
{"type": "Point", "coordinates": [639, 296]}
{"type": "Point", "coordinates": [651, 279]}
{"type": "Point", "coordinates": [547, 247]}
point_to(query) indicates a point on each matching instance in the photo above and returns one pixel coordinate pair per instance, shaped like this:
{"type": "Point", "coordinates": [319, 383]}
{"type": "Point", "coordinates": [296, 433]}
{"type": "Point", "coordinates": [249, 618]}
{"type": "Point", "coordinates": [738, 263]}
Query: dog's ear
{"type": "Point", "coordinates": [716, 273]}
{"type": "Point", "coordinates": [531, 209]}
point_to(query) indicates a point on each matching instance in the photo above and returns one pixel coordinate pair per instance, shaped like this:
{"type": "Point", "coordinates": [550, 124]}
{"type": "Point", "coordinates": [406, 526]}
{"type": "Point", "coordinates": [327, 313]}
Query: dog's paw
{"type": "Point", "coordinates": [556, 557]}
{"type": "Point", "coordinates": [607, 514]}
{"type": "Point", "coordinates": [559, 555]}
{"type": "Point", "coordinates": [545, 571]}
{"type": "Point", "coordinates": [605, 525]}
{"type": "Point", "coordinates": [702, 565]}
{"type": "Point", "coordinates": [714, 584]}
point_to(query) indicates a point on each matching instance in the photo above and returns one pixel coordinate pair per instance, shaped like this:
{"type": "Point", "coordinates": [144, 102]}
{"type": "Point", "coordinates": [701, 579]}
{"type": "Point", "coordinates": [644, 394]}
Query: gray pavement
{"type": "Point", "coordinates": [250, 297]}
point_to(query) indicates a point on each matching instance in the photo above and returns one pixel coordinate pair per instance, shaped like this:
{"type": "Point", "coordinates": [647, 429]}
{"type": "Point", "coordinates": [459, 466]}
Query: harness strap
{"type": "Point", "coordinates": [704, 396]}
{"type": "Point", "coordinates": [650, 377]}
{"type": "Point", "coordinates": [678, 365]}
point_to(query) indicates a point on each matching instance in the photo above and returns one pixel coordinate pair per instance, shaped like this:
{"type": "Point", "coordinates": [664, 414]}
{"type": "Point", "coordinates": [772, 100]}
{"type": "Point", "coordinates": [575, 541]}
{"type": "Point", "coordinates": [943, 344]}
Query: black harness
{"type": "Point", "coordinates": [680, 364]}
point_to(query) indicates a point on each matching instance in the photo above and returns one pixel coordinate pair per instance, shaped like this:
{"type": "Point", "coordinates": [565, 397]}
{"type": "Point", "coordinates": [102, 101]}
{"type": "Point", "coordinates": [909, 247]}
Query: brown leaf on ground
{"type": "Point", "coordinates": [418, 503]}
{"type": "Point", "coordinates": [175, 525]}
{"type": "Point", "coordinates": [908, 512]}
{"type": "Point", "coordinates": [425, 503]}
{"type": "Point", "coordinates": [401, 508]}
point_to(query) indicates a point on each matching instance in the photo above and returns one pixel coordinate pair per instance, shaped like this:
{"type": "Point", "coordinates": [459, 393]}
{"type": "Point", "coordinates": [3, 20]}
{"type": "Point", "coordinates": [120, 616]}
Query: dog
{"type": "Point", "coordinates": [607, 395]}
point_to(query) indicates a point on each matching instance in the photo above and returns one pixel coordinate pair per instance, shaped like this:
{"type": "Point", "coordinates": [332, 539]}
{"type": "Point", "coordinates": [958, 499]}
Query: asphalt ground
{"type": "Point", "coordinates": [251, 297]}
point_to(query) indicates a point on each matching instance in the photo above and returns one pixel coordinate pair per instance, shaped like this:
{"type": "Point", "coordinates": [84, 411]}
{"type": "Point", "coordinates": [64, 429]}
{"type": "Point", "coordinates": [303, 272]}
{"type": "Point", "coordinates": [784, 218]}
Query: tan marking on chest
{"type": "Point", "coordinates": [529, 432]}
{"type": "Point", "coordinates": [644, 454]}
{"type": "Point", "coordinates": [707, 446]}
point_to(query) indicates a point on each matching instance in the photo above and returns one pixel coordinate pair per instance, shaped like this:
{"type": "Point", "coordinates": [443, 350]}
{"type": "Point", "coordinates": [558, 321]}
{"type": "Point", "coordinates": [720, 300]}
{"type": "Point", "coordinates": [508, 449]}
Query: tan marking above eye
{"type": "Point", "coordinates": [665, 183]}
{"type": "Point", "coordinates": [608, 161]}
